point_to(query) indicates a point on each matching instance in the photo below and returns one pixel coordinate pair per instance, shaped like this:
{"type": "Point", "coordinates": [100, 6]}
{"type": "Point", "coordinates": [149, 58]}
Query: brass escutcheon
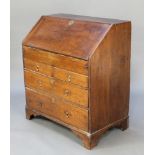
{"type": "Point", "coordinates": [69, 78]}
{"type": "Point", "coordinates": [53, 100]}
{"type": "Point", "coordinates": [71, 22]}
{"type": "Point", "coordinates": [52, 81]}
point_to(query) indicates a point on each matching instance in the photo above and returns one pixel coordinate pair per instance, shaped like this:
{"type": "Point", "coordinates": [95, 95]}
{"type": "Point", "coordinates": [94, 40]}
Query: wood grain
{"type": "Point", "coordinates": [77, 73]}
{"type": "Point", "coordinates": [68, 37]}
{"type": "Point", "coordinates": [61, 74]}
{"type": "Point", "coordinates": [56, 60]}
{"type": "Point", "coordinates": [57, 108]}
{"type": "Point", "coordinates": [53, 86]}
{"type": "Point", "coordinates": [89, 19]}
{"type": "Point", "coordinates": [110, 78]}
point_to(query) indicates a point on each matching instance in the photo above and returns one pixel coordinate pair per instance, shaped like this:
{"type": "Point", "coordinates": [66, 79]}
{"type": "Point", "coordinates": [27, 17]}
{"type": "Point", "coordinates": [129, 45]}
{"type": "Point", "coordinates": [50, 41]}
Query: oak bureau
{"type": "Point", "coordinates": [77, 73]}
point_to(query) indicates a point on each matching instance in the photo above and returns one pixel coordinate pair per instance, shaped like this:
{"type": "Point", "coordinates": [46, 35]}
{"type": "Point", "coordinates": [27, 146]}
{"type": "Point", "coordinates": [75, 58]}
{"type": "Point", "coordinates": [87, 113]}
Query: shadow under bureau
{"type": "Point", "coordinates": [77, 73]}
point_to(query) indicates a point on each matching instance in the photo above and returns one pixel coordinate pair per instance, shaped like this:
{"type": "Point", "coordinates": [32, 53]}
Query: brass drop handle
{"type": "Point", "coordinates": [69, 78]}
{"type": "Point", "coordinates": [67, 92]}
{"type": "Point", "coordinates": [37, 68]}
{"type": "Point", "coordinates": [67, 114]}
{"type": "Point", "coordinates": [39, 104]}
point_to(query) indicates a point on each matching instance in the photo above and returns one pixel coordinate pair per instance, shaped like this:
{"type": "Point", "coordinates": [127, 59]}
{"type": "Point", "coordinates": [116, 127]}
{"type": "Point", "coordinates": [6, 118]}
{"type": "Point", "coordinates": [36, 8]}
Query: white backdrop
{"type": "Point", "coordinates": [25, 13]}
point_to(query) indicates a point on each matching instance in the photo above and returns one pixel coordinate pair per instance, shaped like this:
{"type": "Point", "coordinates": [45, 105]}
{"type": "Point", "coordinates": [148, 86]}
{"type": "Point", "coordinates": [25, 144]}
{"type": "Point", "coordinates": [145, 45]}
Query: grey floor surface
{"type": "Point", "coordinates": [42, 137]}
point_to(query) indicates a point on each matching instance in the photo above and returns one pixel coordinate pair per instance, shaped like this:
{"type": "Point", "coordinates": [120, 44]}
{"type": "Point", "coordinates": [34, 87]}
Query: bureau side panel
{"type": "Point", "coordinates": [110, 78]}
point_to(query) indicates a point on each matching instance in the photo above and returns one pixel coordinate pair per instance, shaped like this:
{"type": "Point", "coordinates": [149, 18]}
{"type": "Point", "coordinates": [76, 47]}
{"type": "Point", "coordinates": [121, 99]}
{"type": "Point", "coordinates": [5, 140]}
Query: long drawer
{"type": "Point", "coordinates": [57, 60]}
{"type": "Point", "coordinates": [52, 86]}
{"type": "Point", "coordinates": [58, 108]}
{"type": "Point", "coordinates": [64, 75]}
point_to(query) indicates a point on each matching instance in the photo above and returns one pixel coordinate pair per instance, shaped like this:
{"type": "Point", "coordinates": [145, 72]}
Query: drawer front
{"type": "Point", "coordinates": [56, 60]}
{"type": "Point", "coordinates": [38, 67]}
{"type": "Point", "coordinates": [51, 86]}
{"type": "Point", "coordinates": [64, 75]}
{"type": "Point", "coordinates": [57, 108]}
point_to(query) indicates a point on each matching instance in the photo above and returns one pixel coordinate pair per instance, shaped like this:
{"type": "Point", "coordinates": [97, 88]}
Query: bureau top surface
{"type": "Point", "coordinates": [71, 35]}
